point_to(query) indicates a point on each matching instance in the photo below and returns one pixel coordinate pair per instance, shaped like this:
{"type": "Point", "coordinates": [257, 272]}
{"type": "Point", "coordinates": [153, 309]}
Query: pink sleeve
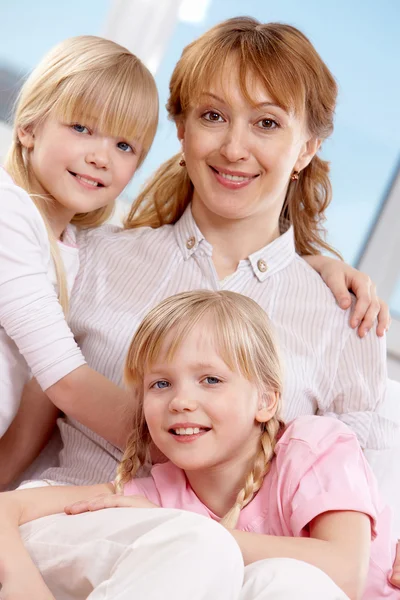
{"type": "Point", "coordinates": [143, 487]}
{"type": "Point", "coordinates": [324, 470]}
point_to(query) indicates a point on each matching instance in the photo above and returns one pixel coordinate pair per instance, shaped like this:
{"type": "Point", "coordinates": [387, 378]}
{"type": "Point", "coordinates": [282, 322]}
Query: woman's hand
{"type": "Point", "coordinates": [109, 501]}
{"type": "Point", "coordinates": [395, 576]}
{"type": "Point", "coordinates": [341, 278]}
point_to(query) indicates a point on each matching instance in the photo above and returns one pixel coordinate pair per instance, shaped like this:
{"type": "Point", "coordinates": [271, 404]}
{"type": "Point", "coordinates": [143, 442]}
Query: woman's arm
{"type": "Point", "coordinates": [27, 434]}
{"type": "Point", "coordinates": [339, 545]}
{"type": "Point", "coordinates": [18, 573]}
{"type": "Point", "coordinates": [96, 402]}
{"type": "Point", "coordinates": [341, 278]}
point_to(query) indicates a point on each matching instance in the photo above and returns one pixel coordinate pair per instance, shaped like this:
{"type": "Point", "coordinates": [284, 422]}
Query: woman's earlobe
{"type": "Point", "coordinates": [311, 148]}
{"type": "Point", "coordinates": [180, 130]}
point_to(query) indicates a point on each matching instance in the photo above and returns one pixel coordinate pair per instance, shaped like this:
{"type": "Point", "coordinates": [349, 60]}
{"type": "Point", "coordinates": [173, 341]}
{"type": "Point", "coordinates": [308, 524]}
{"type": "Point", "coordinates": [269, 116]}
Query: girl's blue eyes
{"type": "Point", "coordinates": [124, 147]}
{"type": "Point", "coordinates": [121, 145]}
{"type": "Point", "coordinates": [163, 384]}
{"type": "Point", "coordinates": [160, 385]}
{"type": "Point", "coordinates": [80, 128]}
{"type": "Point", "coordinates": [212, 380]}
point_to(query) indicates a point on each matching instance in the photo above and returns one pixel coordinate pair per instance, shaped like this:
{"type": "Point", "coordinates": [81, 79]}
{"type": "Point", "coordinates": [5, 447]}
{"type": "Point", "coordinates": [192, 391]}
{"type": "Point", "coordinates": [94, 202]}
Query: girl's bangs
{"type": "Point", "coordinates": [232, 343]}
{"type": "Point", "coordinates": [111, 103]}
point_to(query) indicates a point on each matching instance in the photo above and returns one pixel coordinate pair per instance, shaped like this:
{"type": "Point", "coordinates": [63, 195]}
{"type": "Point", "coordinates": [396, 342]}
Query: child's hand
{"type": "Point", "coordinates": [109, 501]}
{"type": "Point", "coordinates": [395, 576]}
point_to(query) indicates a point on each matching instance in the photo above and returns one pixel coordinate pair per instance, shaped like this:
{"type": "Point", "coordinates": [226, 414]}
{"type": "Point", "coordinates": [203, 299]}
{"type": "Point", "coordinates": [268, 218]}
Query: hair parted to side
{"type": "Point", "coordinates": [295, 76]}
{"type": "Point", "coordinates": [84, 79]}
{"type": "Point", "coordinates": [243, 337]}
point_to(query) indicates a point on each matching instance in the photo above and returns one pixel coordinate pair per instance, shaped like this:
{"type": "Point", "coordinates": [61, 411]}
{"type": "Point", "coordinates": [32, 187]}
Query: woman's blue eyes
{"type": "Point", "coordinates": [121, 145]}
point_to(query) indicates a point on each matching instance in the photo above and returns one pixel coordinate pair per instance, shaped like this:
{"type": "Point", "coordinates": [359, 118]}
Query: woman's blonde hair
{"type": "Point", "coordinates": [242, 334]}
{"type": "Point", "coordinates": [84, 79]}
{"type": "Point", "coordinates": [296, 78]}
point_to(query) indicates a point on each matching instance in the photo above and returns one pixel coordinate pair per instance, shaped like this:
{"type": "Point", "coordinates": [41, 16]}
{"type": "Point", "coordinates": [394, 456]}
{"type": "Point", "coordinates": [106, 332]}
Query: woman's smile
{"type": "Point", "coordinates": [232, 180]}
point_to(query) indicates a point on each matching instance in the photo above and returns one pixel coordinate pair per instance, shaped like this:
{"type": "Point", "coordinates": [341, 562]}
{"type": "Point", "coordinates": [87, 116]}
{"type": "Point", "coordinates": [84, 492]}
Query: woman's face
{"type": "Point", "coordinates": [240, 156]}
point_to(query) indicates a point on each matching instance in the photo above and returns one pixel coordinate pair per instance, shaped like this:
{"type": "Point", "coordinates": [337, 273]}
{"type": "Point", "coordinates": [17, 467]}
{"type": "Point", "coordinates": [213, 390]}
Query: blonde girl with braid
{"type": "Point", "coordinates": [84, 122]}
{"type": "Point", "coordinates": [299, 501]}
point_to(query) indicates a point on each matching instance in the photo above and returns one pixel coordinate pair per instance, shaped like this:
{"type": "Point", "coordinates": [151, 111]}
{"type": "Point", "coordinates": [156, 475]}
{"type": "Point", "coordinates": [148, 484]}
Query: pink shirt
{"type": "Point", "coordinates": [319, 466]}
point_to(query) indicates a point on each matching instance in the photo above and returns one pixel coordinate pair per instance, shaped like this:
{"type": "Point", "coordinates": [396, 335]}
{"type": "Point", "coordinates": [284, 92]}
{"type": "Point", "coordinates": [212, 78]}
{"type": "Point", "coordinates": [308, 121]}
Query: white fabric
{"type": "Point", "coordinates": [153, 554]}
{"type": "Point", "coordinates": [125, 553]}
{"type": "Point", "coordinates": [33, 331]}
{"type": "Point", "coordinates": [328, 368]}
{"type": "Point", "coordinates": [386, 463]}
{"type": "Point", "coordinates": [288, 579]}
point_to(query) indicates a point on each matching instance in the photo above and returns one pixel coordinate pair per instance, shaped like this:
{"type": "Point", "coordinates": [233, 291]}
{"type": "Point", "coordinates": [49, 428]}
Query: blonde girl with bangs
{"type": "Point", "coordinates": [84, 122]}
{"type": "Point", "coordinates": [205, 373]}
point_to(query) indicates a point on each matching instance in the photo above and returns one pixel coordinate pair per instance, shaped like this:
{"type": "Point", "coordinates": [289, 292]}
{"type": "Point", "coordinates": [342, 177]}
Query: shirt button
{"type": "Point", "coordinates": [262, 265]}
{"type": "Point", "coordinates": [190, 243]}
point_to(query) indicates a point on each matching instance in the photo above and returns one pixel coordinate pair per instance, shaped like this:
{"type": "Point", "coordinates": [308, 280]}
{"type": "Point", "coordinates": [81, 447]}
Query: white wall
{"type": "Point", "coordinates": [5, 140]}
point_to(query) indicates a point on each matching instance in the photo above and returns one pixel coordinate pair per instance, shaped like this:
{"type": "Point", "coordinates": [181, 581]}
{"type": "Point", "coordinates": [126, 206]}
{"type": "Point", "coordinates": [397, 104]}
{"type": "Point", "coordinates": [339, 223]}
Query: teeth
{"type": "Point", "coordinates": [187, 430]}
{"type": "Point", "coordinates": [234, 177]}
{"type": "Point", "coordinates": [89, 181]}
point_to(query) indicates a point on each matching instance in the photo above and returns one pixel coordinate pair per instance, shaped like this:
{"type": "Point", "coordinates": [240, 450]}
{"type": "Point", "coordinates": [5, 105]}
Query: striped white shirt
{"type": "Point", "coordinates": [329, 370]}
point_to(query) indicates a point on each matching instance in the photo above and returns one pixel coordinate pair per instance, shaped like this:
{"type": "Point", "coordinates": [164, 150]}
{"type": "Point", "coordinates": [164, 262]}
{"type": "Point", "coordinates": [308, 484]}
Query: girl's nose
{"type": "Point", "coordinates": [99, 155]}
{"type": "Point", "coordinates": [182, 402]}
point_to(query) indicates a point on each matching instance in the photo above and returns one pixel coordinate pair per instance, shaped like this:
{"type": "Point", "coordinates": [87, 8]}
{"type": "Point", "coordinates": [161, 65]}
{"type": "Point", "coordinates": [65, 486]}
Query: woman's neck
{"type": "Point", "coordinates": [234, 240]}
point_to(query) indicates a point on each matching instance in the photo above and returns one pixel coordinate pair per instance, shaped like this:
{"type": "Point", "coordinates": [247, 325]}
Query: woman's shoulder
{"type": "Point", "coordinates": [115, 237]}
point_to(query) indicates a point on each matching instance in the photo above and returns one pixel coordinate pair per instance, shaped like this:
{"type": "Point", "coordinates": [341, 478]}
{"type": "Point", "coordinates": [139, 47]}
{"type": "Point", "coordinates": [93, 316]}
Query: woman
{"type": "Point", "coordinates": [252, 104]}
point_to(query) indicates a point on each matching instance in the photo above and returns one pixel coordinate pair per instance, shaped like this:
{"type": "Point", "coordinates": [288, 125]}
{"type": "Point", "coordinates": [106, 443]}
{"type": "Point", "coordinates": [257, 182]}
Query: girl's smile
{"type": "Point", "coordinates": [185, 433]}
{"type": "Point", "coordinates": [197, 402]}
{"type": "Point", "coordinates": [78, 167]}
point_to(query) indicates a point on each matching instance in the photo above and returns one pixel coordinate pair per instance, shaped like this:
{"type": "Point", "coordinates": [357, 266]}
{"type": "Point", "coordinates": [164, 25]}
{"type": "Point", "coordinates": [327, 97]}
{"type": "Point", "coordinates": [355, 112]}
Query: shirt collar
{"type": "Point", "coordinates": [276, 255]}
{"type": "Point", "coordinates": [188, 235]}
{"type": "Point", "coordinates": [264, 263]}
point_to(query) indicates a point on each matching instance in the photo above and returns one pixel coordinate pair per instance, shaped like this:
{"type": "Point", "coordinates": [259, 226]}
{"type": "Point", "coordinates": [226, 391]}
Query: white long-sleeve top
{"type": "Point", "coordinates": [328, 369]}
{"type": "Point", "coordinates": [34, 336]}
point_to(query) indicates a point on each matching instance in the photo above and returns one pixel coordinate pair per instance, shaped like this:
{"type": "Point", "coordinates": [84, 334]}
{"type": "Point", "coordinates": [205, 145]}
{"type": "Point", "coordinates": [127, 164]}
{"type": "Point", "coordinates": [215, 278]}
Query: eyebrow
{"type": "Point", "coordinates": [197, 365]}
{"type": "Point", "coordinates": [259, 105]}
